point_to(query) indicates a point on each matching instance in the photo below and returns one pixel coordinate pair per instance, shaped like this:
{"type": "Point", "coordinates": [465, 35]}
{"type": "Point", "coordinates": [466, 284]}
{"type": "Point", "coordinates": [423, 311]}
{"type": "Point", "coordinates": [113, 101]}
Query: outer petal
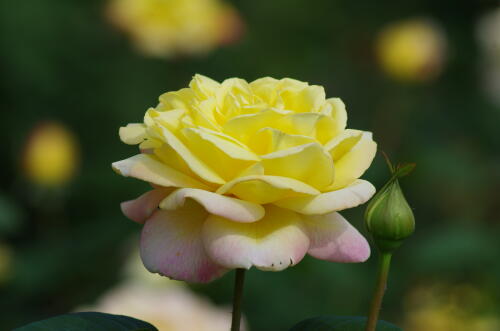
{"type": "Point", "coordinates": [307, 163]}
{"type": "Point", "coordinates": [352, 152]}
{"type": "Point", "coordinates": [274, 243]}
{"type": "Point", "coordinates": [266, 189]}
{"type": "Point", "coordinates": [133, 133]}
{"type": "Point", "coordinates": [334, 239]}
{"type": "Point", "coordinates": [230, 208]}
{"type": "Point", "coordinates": [351, 196]}
{"type": "Point", "coordinates": [140, 209]}
{"type": "Point", "coordinates": [149, 169]}
{"type": "Point", "coordinates": [171, 245]}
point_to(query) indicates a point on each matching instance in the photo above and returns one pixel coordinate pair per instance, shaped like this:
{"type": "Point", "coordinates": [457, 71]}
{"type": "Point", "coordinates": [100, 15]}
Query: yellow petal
{"type": "Point", "coordinates": [181, 99]}
{"type": "Point", "coordinates": [171, 119]}
{"type": "Point", "coordinates": [168, 156]}
{"type": "Point", "coordinates": [244, 127]}
{"type": "Point", "coordinates": [133, 133]}
{"type": "Point", "coordinates": [274, 243]}
{"type": "Point", "coordinates": [268, 140]}
{"type": "Point", "coordinates": [335, 108]}
{"type": "Point", "coordinates": [216, 204]}
{"type": "Point", "coordinates": [149, 169]}
{"type": "Point", "coordinates": [203, 86]}
{"type": "Point", "coordinates": [265, 89]}
{"type": "Point", "coordinates": [307, 163]}
{"type": "Point", "coordinates": [316, 125]}
{"type": "Point", "coordinates": [220, 152]}
{"type": "Point", "coordinates": [352, 154]}
{"type": "Point", "coordinates": [351, 196]}
{"type": "Point", "coordinates": [266, 189]}
{"type": "Point", "coordinates": [291, 84]}
{"type": "Point", "coordinates": [203, 114]}
{"type": "Point", "coordinates": [193, 162]}
{"type": "Point", "coordinates": [148, 145]}
{"type": "Point", "coordinates": [233, 94]}
{"type": "Point", "coordinates": [308, 99]}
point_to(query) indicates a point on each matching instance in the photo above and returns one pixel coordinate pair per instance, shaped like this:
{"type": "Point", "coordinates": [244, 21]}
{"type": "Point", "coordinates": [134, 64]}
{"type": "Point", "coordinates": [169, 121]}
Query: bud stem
{"type": "Point", "coordinates": [378, 294]}
{"type": "Point", "coordinates": [239, 279]}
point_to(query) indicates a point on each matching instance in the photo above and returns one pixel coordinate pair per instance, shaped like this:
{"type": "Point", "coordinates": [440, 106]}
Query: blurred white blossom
{"type": "Point", "coordinates": [488, 35]}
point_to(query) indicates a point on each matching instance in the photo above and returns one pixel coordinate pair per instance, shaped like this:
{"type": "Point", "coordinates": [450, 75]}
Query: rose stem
{"type": "Point", "coordinates": [237, 298]}
{"type": "Point", "coordinates": [378, 294]}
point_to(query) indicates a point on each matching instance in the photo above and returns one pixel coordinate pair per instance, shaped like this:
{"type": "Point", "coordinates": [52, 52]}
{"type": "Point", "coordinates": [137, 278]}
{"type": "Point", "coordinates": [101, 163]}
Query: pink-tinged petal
{"type": "Point", "coordinates": [275, 242]}
{"type": "Point", "coordinates": [351, 196]}
{"type": "Point", "coordinates": [150, 169]}
{"type": "Point", "coordinates": [227, 207]}
{"type": "Point", "coordinates": [334, 239]}
{"type": "Point", "coordinates": [171, 245]}
{"type": "Point", "coordinates": [140, 209]}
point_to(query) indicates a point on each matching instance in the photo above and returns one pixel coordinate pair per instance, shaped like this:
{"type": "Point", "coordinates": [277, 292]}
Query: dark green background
{"type": "Point", "coordinates": [60, 59]}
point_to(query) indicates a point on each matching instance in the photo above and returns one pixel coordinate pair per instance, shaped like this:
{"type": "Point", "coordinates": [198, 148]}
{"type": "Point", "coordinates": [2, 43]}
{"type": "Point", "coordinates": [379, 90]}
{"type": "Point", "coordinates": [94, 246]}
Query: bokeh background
{"type": "Point", "coordinates": [424, 76]}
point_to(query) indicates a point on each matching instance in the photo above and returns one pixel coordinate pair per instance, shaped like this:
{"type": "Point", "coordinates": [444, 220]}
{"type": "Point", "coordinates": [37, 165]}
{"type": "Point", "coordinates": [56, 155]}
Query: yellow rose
{"type": "Point", "coordinates": [50, 155]}
{"type": "Point", "coordinates": [168, 27]}
{"type": "Point", "coordinates": [411, 50]}
{"type": "Point", "coordinates": [246, 174]}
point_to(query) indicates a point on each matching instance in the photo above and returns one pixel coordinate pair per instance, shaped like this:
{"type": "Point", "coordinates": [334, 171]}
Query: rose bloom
{"type": "Point", "coordinates": [411, 50]}
{"type": "Point", "coordinates": [163, 28]}
{"type": "Point", "coordinates": [246, 174]}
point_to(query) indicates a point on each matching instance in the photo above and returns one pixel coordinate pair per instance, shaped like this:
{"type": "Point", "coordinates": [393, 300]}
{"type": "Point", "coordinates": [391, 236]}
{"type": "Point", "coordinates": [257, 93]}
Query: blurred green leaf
{"type": "Point", "coordinates": [340, 323]}
{"type": "Point", "coordinates": [89, 321]}
{"type": "Point", "coordinates": [10, 215]}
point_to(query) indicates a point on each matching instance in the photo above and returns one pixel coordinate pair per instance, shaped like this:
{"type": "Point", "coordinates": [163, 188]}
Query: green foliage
{"type": "Point", "coordinates": [340, 323]}
{"type": "Point", "coordinates": [11, 215]}
{"type": "Point", "coordinates": [89, 321]}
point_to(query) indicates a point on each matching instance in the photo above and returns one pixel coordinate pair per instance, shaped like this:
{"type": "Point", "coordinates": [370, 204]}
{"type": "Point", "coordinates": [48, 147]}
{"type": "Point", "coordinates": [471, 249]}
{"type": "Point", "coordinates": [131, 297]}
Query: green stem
{"type": "Point", "coordinates": [378, 295]}
{"type": "Point", "coordinates": [237, 299]}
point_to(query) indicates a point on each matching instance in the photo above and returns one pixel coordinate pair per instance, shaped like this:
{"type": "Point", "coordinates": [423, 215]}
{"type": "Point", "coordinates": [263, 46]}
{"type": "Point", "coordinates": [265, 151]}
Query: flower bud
{"type": "Point", "coordinates": [388, 217]}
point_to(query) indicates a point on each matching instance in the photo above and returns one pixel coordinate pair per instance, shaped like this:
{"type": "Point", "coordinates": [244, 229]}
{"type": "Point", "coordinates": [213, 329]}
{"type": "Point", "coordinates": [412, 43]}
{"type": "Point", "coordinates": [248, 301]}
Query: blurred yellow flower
{"type": "Point", "coordinates": [51, 155]}
{"type": "Point", "coordinates": [246, 174]}
{"type": "Point", "coordinates": [411, 50]}
{"type": "Point", "coordinates": [164, 28]}
{"type": "Point", "coordinates": [445, 307]}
